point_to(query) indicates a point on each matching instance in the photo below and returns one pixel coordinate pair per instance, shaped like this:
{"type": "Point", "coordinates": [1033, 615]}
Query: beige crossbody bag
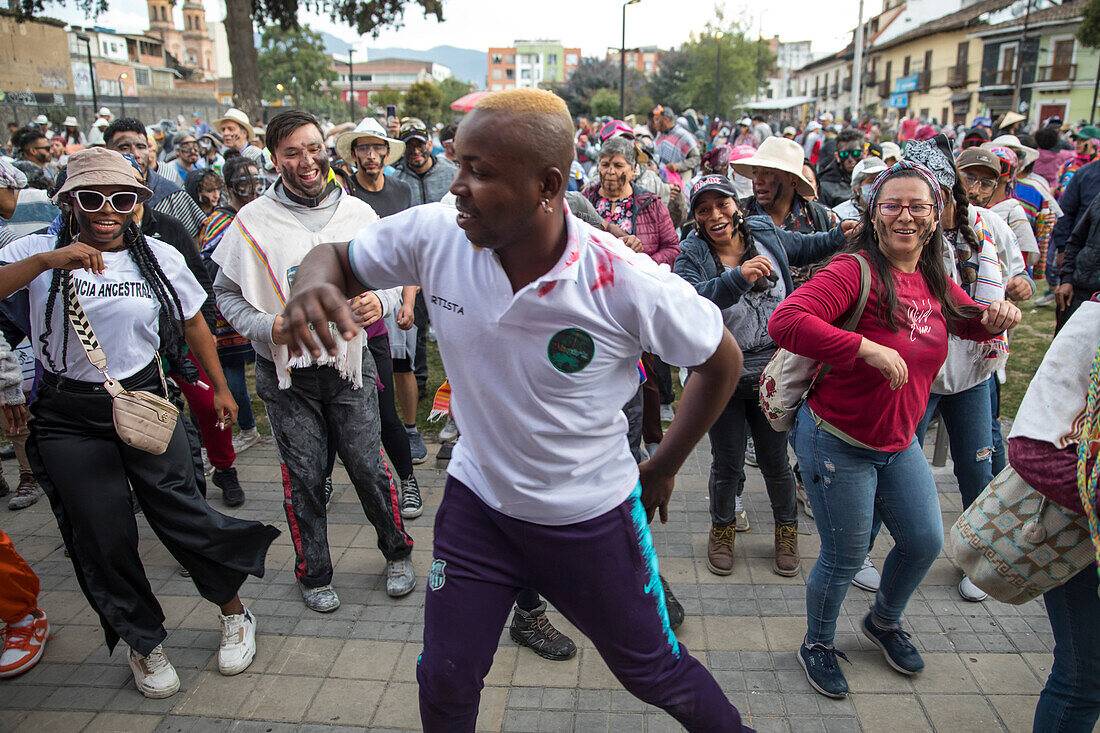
{"type": "Point", "coordinates": [143, 420]}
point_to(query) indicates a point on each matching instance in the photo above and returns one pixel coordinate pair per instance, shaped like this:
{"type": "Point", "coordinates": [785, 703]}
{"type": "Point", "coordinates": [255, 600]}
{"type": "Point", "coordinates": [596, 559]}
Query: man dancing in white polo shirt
{"type": "Point", "coordinates": [540, 326]}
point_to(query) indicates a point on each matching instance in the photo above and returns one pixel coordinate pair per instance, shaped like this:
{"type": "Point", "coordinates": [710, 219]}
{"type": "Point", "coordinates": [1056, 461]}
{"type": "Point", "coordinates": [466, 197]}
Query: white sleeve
{"type": "Point", "coordinates": [388, 253]}
{"type": "Point", "coordinates": [190, 293]}
{"type": "Point", "coordinates": [669, 318]}
{"type": "Point", "coordinates": [25, 247]}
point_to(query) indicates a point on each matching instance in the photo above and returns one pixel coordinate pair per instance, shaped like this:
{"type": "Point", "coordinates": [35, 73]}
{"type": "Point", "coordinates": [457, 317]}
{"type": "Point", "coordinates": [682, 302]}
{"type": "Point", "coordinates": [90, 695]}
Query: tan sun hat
{"type": "Point", "coordinates": [100, 167]}
{"type": "Point", "coordinates": [1028, 155]}
{"type": "Point", "coordinates": [369, 128]}
{"type": "Point", "coordinates": [782, 155]}
{"type": "Point", "coordinates": [235, 115]}
{"type": "Point", "coordinates": [1010, 118]}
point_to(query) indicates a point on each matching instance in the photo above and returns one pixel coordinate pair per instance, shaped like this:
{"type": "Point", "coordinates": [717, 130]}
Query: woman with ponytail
{"type": "Point", "coordinates": [142, 302]}
{"type": "Point", "coordinates": [743, 264]}
{"type": "Point", "coordinates": [854, 435]}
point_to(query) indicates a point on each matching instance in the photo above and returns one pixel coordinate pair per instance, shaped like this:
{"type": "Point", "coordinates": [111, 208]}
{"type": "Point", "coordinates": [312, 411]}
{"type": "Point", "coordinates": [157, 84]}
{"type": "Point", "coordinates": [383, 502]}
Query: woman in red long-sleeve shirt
{"type": "Point", "coordinates": [854, 435]}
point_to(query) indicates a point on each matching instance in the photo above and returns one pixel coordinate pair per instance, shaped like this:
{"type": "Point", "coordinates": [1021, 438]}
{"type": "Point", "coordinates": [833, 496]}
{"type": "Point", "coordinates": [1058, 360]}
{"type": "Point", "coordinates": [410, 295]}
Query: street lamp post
{"type": "Point", "coordinates": [122, 93]}
{"type": "Point", "coordinates": [91, 69]}
{"type": "Point", "coordinates": [718, 78]}
{"type": "Point", "coordinates": [351, 86]}
{"type": "Point", "coordinates": [622, 63]}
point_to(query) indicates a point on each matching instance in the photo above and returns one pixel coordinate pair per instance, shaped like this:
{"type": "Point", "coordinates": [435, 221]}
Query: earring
{"type": "Point", "coordinates": [547, 207]}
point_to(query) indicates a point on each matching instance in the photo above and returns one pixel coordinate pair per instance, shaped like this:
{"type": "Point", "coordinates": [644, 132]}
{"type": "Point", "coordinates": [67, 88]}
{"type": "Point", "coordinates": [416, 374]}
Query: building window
{"type": "Point", "coordinates": [571, 59]}
{"type": "Point", "coordinates": [496, 58]}
{"type": "Point", "coordinates": [524, 73]}
{"type": "Point", "coordinates": [509, 73]}
{"type": "Point", "coordinates": [905, 67]}
{"type": "Point", "coordinates": [141, 77]}
{"type": "Point", "coordinates": [551, 59]}
{"type": "Point", "coordinates": [498, 74]}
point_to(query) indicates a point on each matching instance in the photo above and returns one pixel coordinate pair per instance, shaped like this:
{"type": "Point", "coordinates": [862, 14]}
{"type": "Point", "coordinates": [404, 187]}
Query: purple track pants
{"type": "Point", "coordinates": [601, 574]}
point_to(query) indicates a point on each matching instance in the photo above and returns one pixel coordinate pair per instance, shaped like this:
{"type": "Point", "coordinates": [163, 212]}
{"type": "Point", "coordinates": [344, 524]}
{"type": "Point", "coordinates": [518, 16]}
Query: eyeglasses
{"type": "Point", "coordinates": [412, 126]}
{"type": "Point", "coordinates": [842, 154]}
{"type": "Point", "coordinates": [969, 180]}
{"type": "Point", "coordinates": [91, 201]}
{"type": "Point", "coordinates": [245, 185]}
{"type": "Point", "coordinates": [917, 211]}
{"type": "Point", "coordinates": [188, 147]}
{"type": "Point", "coordinates": [381, 148]}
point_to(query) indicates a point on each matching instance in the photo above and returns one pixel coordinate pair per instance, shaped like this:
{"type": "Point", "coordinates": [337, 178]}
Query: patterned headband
{"type": "Point", "coordinates": [928, 154]}
{"type": "Point", "coordinates": [907, 165]}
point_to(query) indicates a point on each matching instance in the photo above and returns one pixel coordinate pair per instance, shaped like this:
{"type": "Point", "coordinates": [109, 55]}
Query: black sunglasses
{"type": "Point", "coordinates": [91, 201]}
{"type": "Point", "coordinates": [842, 154]}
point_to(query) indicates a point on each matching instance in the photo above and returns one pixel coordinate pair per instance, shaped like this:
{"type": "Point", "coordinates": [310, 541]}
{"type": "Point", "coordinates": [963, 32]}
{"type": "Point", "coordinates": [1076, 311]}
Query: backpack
{"type": "Point", "coordinates": [789, 378]}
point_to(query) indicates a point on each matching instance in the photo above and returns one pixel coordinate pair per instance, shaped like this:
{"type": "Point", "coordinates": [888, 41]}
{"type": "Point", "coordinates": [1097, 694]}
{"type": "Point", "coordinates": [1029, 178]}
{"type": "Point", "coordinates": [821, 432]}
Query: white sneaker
{"type": "Point", "coordinates": [238, 647]}
{"type": "Point", "coordinates": [449, 431]}
{"type": "Point", "coordinates": [154, 675]}
{"type": "Point", "coordinates": [971, 592]}
{"type": "Point", "coordinates": [867, 578]}
{"type": "Point", "coordinates": [245, 440]}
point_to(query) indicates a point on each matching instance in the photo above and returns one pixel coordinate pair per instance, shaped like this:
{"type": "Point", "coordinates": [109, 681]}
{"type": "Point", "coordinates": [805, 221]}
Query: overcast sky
{"type": "Point", "coordinates": [592, 24]}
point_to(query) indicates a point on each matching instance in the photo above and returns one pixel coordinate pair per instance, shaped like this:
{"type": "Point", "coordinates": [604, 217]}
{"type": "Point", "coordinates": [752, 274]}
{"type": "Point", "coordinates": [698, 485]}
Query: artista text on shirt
{"type": "Point", "coordinates": [133, 289]}
{"type": "Point", "coordinates": [448, 305]}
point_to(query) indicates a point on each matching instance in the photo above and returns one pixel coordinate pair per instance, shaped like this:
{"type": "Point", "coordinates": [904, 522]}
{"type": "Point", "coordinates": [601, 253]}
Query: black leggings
{"type": "Point", "coordinates": [87, 473]}
{"type": "Point", "coordinates": [394, 436]}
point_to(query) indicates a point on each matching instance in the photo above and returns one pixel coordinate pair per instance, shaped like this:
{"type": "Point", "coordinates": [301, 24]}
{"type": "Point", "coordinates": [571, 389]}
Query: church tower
{"type": "Point", "coordinates": [194, 19]}
{"type": "Point", "coordinates": [160, 15]}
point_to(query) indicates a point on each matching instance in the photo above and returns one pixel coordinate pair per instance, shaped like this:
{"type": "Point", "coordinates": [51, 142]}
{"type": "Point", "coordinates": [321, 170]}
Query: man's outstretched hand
{"type": "Point", "coordinates": [306, 318]}
{"type": "Point", "coordinates": [656, 491]}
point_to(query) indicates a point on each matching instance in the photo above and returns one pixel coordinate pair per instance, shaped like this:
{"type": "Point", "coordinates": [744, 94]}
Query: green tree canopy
{"type": "Point", "coordinates": [451, 89]}
{"type": "Point", "coordinates": [605, 102]}
{"type": "Point", "coordinates": [296, 59]}
{"type": "Point", "coordinates": [422, 100]}
{"type": "Point", "coordinates": [1089, 31]}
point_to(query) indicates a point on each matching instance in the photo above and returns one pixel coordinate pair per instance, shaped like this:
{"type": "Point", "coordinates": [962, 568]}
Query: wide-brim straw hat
{"type": "Point", "coordinates": [235, 115]}
{"type": "Point", "coordinates": [100, 167]}
{"type": "Point", "coordinates": [782, 155]}
{"type": "Point", "coordinates": [1010, 118]}
{"type": "Point", "coordinates": [1029, 155]}
{"type": "Point", "coordinates": [368, 127]}
{"type": "Point", "coordinates": [70, 121]}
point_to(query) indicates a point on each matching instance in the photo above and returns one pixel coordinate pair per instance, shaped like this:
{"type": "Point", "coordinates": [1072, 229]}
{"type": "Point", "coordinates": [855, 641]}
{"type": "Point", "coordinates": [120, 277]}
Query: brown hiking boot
{"type": "Point", "coordinates": [720, 549]}
{"type": "Point", "coordinates": [787, 562]}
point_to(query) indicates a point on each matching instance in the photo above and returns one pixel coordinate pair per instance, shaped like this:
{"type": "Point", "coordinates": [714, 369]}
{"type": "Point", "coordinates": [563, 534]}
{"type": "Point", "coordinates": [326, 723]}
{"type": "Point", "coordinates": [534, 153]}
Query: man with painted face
{"type": "Point", "coordinates": [428, 175]}
{"type": "Point", "coordinates": [863, 176]}
{"type": "Point", "coordinates": [543, 491]}
{"type": "Point", "coordinates": [187, 157]}
{"type": "Point", "coordinates": [127, 135]}
{"type": "Point", "coordinates": [33, 149]}
{"type": "Point", "coordinates": [835, 180]}
{"type": "Point", "coordinates": [310, 401]}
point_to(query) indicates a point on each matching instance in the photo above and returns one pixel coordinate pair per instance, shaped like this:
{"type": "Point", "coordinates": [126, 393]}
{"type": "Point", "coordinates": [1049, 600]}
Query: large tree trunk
{"type": "Point", "coordinates": [244, 58]}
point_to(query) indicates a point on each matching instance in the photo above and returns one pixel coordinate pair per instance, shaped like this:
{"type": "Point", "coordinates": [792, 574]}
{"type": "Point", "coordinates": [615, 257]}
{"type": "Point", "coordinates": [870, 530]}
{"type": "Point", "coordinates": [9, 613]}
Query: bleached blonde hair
{"type": "Point", "coordinates": [542, 119]}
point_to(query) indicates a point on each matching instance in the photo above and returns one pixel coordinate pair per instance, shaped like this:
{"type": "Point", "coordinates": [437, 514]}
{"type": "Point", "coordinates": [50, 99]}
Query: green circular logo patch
{"type": "Point", "coordinates": [570, 350]}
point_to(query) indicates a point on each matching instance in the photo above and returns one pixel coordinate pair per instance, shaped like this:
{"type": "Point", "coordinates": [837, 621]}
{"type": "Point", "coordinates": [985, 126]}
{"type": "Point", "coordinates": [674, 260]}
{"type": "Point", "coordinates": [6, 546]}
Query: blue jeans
{"type": "Point", "coordinates": [848, 487]}
{"type": "Point", "coordinates": [233, 368]}
{"type": "Point", "coordinates": [1070, 702]}
{"type": "Point", "coordinates": [965, 415]}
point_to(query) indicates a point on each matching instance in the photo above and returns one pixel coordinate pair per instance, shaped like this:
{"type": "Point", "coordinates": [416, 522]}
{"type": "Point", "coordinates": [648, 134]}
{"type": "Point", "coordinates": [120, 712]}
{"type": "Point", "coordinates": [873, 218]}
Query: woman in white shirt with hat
{"type": "Point", "coordinates": [141, 302]}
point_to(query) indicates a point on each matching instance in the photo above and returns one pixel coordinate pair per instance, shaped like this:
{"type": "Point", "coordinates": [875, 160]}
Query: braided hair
{"type": "Point", "coordinates": [173, 345]}
{"type": "Point", "coordinates": [962, 224]}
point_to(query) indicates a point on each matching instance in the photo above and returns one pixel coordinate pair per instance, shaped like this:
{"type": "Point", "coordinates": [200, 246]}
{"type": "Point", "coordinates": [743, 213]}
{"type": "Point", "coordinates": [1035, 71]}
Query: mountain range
{"type": "Point", "coordinates": [465, 64]}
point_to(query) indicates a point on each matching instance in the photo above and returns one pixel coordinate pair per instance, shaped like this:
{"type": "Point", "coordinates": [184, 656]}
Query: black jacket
{"type": "Point", "coordinates": [1081, 264]}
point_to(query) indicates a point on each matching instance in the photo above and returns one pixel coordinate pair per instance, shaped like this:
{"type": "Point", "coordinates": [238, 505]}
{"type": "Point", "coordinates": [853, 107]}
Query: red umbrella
{"type": "Point", "coordinates": [466, 103]}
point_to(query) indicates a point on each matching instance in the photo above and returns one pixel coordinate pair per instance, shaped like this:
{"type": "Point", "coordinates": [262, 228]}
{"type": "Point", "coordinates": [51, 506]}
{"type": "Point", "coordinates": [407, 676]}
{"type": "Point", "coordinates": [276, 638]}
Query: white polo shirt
{"type": "Point", "coordinates": [539, 377]}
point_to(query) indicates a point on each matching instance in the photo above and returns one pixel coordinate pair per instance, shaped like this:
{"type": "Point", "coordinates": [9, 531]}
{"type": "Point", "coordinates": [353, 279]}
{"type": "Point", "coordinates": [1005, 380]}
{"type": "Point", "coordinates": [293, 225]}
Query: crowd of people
{"type": "Point", "coordinates": [610, 259]}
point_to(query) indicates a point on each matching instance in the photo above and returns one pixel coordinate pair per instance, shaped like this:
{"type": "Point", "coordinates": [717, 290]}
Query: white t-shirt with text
{"type": "Point", "coordinates": [539, 377]}
{"type": "Point", "coordinates": [120, 305]}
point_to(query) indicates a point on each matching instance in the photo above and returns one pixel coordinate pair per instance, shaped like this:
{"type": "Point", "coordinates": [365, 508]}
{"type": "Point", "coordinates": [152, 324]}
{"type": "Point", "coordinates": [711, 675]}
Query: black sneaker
{"type": "Point", "coordinates": [533, 629]}
{"type": "Point", "coordinates": [822, 671]}
{"type": "Point", "coordinates": [412, 506]}
{"type": "Point", "coordinates": [894, 643]}
{"type": "Point", "coordinates": [675, 610]}
{"type": "Point", "coordinates": [226, 480]}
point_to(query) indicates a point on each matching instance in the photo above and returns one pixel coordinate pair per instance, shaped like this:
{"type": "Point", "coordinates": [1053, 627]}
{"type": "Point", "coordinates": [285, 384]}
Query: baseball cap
{"type": "Point", "coordinates": [713, 182]}
{"type": "Point", "coordinates": [1086, 133]}
{"type": "Point", "coordinates": [412, 129]}
{"type": "Point", "coordinates": [978, 158]}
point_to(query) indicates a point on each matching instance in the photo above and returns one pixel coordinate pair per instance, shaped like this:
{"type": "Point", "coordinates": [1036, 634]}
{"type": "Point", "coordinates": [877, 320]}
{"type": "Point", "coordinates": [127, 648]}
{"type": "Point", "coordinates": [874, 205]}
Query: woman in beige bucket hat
{"type": "Point", "coordinates": [142, 303]}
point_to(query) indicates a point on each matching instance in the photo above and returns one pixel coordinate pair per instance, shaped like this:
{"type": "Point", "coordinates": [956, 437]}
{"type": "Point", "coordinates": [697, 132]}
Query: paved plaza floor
{"type": "Point", "coordinates": [355, 669]}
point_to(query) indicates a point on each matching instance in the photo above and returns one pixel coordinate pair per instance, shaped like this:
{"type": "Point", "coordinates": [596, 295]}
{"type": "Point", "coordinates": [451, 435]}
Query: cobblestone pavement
{"type": "Point", "coordinates": [354, 669]}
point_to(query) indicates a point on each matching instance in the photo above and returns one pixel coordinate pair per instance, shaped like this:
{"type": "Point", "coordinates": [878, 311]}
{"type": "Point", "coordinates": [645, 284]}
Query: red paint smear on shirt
{"type": "Point", "coordinates": [605, 270]}
{"type": "Point", "coordinates": [545, 288]}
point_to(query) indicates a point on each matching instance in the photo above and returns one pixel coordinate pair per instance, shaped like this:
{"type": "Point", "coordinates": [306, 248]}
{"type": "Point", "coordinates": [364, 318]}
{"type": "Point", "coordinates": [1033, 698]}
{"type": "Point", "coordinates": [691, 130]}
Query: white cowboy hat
{"type": "Point", "coordinates": [1010, 118]}
{"type": "Point", "coordinates": [70, 121]}
{"type": "Point", "coordinates": [235, 115]}
{"type": "Point", "coordinates": [100, 122]}
{"type": "Point", "coordinates": [1029, 155]}
{"type": "Point", "coordinates": [104, 112]}
{"type": "Point", "coordinates": [368, 127]}
{"type": "Point", "coordinates": [41, 120]}
{"type": "Point", "coordinates": [747, 122]}
{"type": "Point", "coordinates": [782, 155]}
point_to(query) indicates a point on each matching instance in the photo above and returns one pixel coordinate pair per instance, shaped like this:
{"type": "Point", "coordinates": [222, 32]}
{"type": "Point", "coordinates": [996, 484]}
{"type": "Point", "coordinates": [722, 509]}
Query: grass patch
{"type": "Point", "coordinates": [1030, 342]}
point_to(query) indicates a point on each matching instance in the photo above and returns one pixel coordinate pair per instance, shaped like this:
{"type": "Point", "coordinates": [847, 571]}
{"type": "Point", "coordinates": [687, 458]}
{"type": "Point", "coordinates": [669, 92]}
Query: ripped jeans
{"type": "Point", "coordinates": [848, 488]}
{"type": "Point", "coordinates": [967, 416]}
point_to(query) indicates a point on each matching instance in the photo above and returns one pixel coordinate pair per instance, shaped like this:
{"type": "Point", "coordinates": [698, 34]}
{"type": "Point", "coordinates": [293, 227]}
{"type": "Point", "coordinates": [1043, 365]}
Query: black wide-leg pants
{"type": "Point", "coordinates": [87, 472]}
